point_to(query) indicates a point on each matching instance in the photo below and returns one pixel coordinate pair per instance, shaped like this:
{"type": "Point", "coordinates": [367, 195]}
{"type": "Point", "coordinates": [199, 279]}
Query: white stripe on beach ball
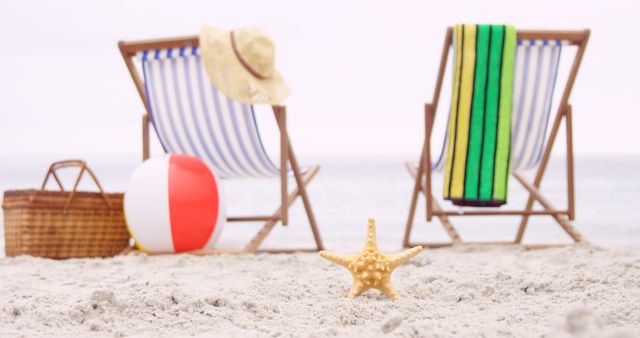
{"type": "Point", "coordinates": [172, 204]}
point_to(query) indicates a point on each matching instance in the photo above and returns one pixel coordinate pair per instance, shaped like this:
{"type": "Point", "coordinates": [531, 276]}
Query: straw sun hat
{"type": "Point", "coordinates": [241, 64]}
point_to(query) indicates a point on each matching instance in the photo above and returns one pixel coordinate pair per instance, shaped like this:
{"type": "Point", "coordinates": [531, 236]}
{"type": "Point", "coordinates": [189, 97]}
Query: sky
{"type": "Point", "coordinates": [360, 71]}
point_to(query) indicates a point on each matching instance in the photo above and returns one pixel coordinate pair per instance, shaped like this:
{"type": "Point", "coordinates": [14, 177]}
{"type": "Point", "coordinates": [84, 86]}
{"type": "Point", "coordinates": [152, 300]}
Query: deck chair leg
{"type": "Point", "coordinates": [412, 208]}
{"type": "Point", "coordinates": [539, 174]}
{"type": "Point", "coordinates": [412, 214]}
{"type": "Point", "coordinates": [446, 224]}
{"type": "Point", "coordinates": [570, 171]}
{"type": "Point", "coordinates": [280, 113]}
{"type": "Point", "coordinates": [563, 222]}
{"type": "Point", "coordinates": [145, 137]}
{"type": "Point", "coordinates": [302, 187]}
{"type": "Point", "coordinates": [268, 226]}
{"type": "Point", "coordinates": [444, 220]}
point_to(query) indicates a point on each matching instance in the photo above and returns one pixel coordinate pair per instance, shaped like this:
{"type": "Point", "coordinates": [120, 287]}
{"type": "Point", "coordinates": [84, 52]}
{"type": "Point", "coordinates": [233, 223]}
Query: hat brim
{"type": "Point", "coordinates": [231, 77]}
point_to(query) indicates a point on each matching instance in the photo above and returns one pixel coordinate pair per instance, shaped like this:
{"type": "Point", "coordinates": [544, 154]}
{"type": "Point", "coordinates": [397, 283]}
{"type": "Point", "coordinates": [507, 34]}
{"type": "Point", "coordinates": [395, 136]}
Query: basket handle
{"type": "Point", "coordinates": [83, 167]}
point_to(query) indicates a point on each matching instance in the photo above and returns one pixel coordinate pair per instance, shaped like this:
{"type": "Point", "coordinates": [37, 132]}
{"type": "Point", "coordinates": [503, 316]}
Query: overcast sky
{"type": "Point", "coordinates": [360, 71]}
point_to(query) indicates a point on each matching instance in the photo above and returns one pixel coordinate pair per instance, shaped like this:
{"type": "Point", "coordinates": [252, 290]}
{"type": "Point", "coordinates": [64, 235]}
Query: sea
{"type": "Point", "coordinates": [351, 188]}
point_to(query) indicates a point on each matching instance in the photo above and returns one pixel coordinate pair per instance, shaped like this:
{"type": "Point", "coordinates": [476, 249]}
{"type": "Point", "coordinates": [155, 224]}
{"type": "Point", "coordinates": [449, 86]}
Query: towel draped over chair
{"type": "Point", "coordinates": [535, 73]}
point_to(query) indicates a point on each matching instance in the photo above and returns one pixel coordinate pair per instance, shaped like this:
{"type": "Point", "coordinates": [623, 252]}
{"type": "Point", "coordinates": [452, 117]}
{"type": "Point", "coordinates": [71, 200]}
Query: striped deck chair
{"type": "Point", "coordinates": [536, 68]}
{"type": "Point", "coordinates": [191, 116]}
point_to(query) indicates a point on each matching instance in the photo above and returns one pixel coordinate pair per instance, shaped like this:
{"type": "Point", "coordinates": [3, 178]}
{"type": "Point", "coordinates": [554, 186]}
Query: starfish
{"type": "Point", "coordinates": [371, 269]}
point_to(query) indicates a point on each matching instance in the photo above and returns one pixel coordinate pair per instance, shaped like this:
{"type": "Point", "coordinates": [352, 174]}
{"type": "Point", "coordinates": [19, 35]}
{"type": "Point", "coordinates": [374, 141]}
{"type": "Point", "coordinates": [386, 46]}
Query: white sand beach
{"type": "Point", "coordinates": [583, 291]}
{"type": "Point", "coordinates": [360, 73]}
{"type": "Point", "coordinates": [579, 291]}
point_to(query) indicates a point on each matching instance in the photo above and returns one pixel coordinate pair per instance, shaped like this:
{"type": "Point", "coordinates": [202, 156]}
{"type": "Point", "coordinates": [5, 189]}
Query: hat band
{"type": "Point", "coordinates": [242, 61]}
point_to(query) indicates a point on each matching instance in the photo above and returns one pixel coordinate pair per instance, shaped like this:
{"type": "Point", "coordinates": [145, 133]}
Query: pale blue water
{"type": "Point", "coordinates": [349, 189]}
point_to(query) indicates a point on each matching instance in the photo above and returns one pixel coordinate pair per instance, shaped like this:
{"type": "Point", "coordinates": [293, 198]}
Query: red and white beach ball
{"type": "Point", "coordinates": [173, 204]}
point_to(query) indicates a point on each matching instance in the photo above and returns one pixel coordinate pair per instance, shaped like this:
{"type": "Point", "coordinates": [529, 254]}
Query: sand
{"type": "Point", "coordinates": [468, 292]}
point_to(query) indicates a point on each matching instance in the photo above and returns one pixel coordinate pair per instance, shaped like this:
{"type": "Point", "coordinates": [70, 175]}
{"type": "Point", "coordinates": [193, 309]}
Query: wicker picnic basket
{"type": "Point", "coordinates": [64, 224]}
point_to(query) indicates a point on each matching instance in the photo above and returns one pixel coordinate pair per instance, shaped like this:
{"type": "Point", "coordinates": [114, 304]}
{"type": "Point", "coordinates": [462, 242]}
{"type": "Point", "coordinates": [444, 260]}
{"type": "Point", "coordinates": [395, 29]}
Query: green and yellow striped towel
{"type": "Point", "coordinates": [477, 165]}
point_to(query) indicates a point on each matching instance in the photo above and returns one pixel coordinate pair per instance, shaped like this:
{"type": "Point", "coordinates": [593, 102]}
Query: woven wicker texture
{"type": "Point", "coordinates": [36, 223]}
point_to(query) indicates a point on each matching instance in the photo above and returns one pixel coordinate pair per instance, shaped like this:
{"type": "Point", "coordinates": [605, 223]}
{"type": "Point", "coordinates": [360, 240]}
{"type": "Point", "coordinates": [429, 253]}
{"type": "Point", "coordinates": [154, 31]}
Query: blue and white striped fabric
{"type": "Point", "coordinates": [191, 116]}
{"type": "Point", "coordinates": [536, 69]}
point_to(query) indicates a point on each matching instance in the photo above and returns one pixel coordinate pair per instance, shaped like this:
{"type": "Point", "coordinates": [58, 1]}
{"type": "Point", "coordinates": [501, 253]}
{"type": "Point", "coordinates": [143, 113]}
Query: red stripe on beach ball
{"type": "Point", "coordinates": [193, 202]}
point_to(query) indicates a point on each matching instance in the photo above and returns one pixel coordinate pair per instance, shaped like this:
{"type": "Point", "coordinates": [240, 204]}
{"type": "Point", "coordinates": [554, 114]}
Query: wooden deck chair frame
{"type": "Point", "coordinates": [129, 49]}
{"type": "Point", "coordinates": [562, 217]}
